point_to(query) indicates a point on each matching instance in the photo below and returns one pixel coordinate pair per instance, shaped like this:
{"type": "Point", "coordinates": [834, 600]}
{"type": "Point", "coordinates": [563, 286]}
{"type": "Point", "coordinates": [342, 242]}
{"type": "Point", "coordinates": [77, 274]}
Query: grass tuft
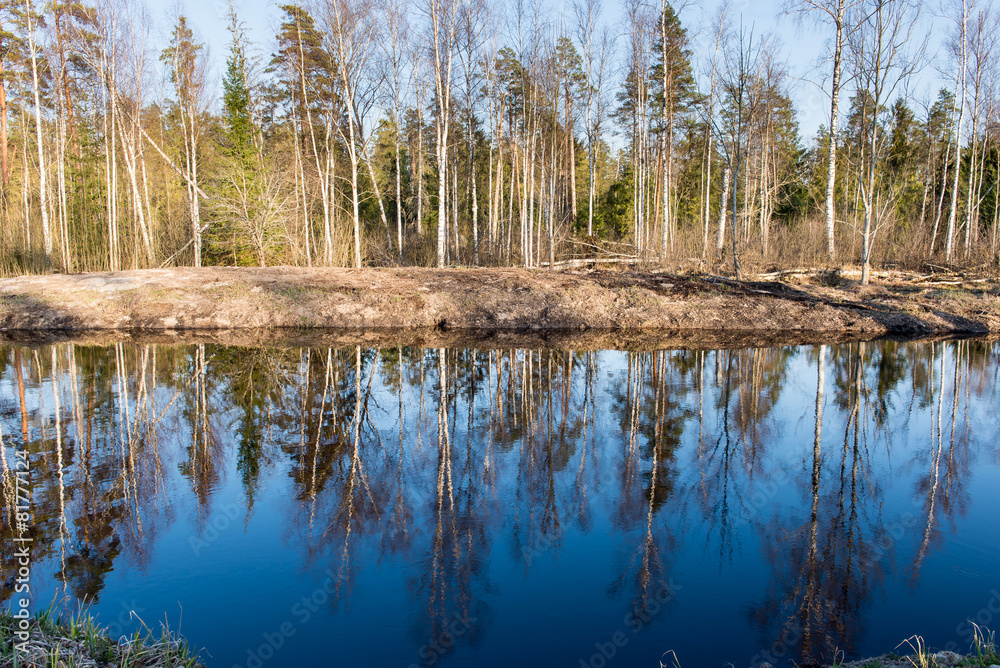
{"type": "Point", "coordinates": [77, 641]}
{"type": "Point", "coordinates": [984, 645]}
{"type": "Point", "coordinates": [674, 661]}
{"type": "Point", "coordinates": [921, 657]}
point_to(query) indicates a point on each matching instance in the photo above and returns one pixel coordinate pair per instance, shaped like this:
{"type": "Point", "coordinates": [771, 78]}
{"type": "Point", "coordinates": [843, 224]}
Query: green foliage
{"type": "Point", "coordinates": [181, 58]}
{"type": "Point", "coordinates": [302, 70]}
{"type": "Point", "coordinates": [236, 112]}
{"type": "Point", "coordinates": [613, 213]}
{"type": "Point", "coordinates": [676, 60]}
{"type": "Point", "coordinates": [514, 84]}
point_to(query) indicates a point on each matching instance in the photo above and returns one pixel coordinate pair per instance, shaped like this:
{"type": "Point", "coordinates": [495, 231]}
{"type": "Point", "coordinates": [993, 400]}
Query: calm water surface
{"type": "Point", "coordinates": [456, 507]}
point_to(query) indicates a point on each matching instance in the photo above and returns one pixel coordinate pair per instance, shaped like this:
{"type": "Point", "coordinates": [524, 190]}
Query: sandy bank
{"type": "Point", "coordinates": [506, 302]}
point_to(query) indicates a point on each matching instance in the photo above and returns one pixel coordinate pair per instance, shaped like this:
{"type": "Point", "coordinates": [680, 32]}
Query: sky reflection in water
{"type": "Point", "coordinates": [349, 507]}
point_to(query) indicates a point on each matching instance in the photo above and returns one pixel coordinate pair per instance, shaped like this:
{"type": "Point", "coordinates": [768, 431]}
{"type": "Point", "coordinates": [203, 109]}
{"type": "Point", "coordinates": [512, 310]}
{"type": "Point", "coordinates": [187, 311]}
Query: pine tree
{"type": "Point", "coordinates": [673, 91]}
{"type": "Point", "coordinates": [12, 49]}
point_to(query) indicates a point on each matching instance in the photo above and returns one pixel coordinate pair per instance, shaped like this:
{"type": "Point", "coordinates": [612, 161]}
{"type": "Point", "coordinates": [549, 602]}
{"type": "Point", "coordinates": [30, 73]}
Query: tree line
{"type": "Point", "coordinates": [447, 132]}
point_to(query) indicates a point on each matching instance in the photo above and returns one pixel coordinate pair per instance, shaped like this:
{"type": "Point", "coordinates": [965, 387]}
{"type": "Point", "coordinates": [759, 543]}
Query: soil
{"type": "Point", "coordinates": [446, 306]}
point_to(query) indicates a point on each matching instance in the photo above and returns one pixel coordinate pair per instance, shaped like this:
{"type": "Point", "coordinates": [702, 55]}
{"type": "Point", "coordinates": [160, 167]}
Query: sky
{"type": "Point", "coordinates": [802, 44]}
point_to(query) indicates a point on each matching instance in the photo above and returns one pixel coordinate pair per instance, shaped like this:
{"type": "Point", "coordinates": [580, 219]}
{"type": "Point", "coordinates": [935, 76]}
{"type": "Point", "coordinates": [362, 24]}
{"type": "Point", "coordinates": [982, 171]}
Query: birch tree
{"type": "Point", "coordinates": [961, 46]}
{"type": "Point", "coordinates": [352, 28]}
{"type": "Point", "coordinates": [31, 20]}
{"type": "Point", "coordinates": [742, 60]}
{"type": "Point", "coordinates": [835, 12]}
{"type": "Point", "coordinates": [883, 59]}
{"type": "Point", "coordinates": [444, 23]}
{"type": "Point", "coordinates": [187, 76]}
{"type": "Point", "coordinates": [399, 76]}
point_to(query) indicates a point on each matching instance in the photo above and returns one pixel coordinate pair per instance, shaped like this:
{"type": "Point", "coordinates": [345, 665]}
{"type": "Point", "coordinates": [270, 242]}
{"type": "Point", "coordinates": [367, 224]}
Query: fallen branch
{"type": "Point", "coordinates": [181, 249]}
{"type": "Point", "coordinates": [171, 163]}
{"type": "Point", "coordinates": [582, 262]}
{"type": "Point", "coordinates": [603, 250]}
{"type": "Point", "coordinates": [811, 299]}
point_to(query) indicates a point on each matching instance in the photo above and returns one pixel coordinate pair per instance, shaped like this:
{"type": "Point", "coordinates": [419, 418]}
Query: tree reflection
{"type": "Point", "coordinates": [946, 465]}
{"type": "Point", "coordinates": [454, 460]}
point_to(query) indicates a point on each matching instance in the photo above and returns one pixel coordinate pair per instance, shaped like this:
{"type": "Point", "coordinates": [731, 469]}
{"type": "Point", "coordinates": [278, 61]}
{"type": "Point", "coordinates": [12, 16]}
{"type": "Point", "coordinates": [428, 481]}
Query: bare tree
{"type": "Point", "coordinates": [961, 47]}
{"type": "Point", "coordinates": [882, 51]}
{"type": "Point", "coordinates": [444, 23]}
{"type": "Point", "coordinates": [128, 104]}
{"type": "Point", "coordinates": [742, 56]}
{"type": "Point", "coordinates": [719, 27]}
{"type": "Point", "coordinates": [982, 42]}
{"type": "Point", "coordinates": [353, 29]}
{"type": "Point", "coordinates": [187, 75]}
{"type": "Point", "coordinates": [587, 14]}
{"type": "Point", "coordinates": [836, 12]}
{"type": "Point", "coordinates": [398, 75]}
{"type": "Point", "coordinates": [470, 37]}
{"type": "Point", "coordinates": [31, 21]}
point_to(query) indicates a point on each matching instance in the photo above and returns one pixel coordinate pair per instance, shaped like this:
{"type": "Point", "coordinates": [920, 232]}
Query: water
{"type": "Point", "coordinates": [406, 506]}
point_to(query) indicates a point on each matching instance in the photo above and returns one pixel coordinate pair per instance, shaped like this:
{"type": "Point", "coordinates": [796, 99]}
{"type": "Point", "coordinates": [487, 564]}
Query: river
{"type": "Point", "coordinates": [291, 506]}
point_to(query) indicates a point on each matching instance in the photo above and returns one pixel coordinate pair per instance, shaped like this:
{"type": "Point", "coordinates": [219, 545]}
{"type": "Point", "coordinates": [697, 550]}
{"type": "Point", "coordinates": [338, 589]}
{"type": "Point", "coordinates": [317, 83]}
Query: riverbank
{"type": "Point", "coordinates": [826, 306]}
{"type": "Point", "coordinates": [78, 641]}
{"type": "Point", "coordinates": [925, 660]}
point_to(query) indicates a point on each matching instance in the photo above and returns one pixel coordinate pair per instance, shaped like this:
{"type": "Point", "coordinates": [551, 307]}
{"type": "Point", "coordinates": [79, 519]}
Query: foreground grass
{"type": "Point", "coordinates": [76, 641]}
{"type": "Point", "coordinates": [983, 654]}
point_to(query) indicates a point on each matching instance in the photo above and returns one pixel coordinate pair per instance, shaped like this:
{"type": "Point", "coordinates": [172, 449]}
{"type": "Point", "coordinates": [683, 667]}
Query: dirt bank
{"type": "Point", "coordinates": [507, 302]}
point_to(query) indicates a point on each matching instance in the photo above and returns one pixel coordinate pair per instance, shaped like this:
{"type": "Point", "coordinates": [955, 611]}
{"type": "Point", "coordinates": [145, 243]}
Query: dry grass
{"type": "Point", "coordinates": [78, 642]}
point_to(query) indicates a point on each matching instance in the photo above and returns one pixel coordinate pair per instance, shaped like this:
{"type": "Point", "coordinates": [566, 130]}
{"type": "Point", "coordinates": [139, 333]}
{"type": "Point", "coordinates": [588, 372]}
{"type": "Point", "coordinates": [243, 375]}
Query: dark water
{"type": "Point", "coordinates": [359, 507]}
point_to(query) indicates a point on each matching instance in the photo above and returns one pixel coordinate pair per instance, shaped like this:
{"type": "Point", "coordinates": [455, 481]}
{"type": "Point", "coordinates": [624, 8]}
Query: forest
{"type": "Point", "coordinates": [474, 133]}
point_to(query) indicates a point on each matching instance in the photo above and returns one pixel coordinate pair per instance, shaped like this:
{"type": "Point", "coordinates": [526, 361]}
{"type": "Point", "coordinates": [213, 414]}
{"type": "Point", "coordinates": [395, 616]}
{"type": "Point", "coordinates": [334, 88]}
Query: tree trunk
{"type": "Point", "coordinates": [42, 187]}
{"type": "Point", "coordinates": [4, 156]}
{"type": "Point", "coordinates": [831, 175]}
{"type": "Point", "coordinates": [960, 103]}
{"type": "Point", "coordinates": [723, 211]}
{"type": "Point", "coordinates": [399, 196]}
{"type": "Point", "coordinates": [870, 209]}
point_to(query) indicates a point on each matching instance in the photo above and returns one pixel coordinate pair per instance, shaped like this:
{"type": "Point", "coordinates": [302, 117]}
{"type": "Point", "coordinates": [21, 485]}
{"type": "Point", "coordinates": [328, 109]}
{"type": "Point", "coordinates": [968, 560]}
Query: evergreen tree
{"type": "Point", "coordinates": [249, 201]}
{"type": "Point", "coordinates": [238, 122]}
